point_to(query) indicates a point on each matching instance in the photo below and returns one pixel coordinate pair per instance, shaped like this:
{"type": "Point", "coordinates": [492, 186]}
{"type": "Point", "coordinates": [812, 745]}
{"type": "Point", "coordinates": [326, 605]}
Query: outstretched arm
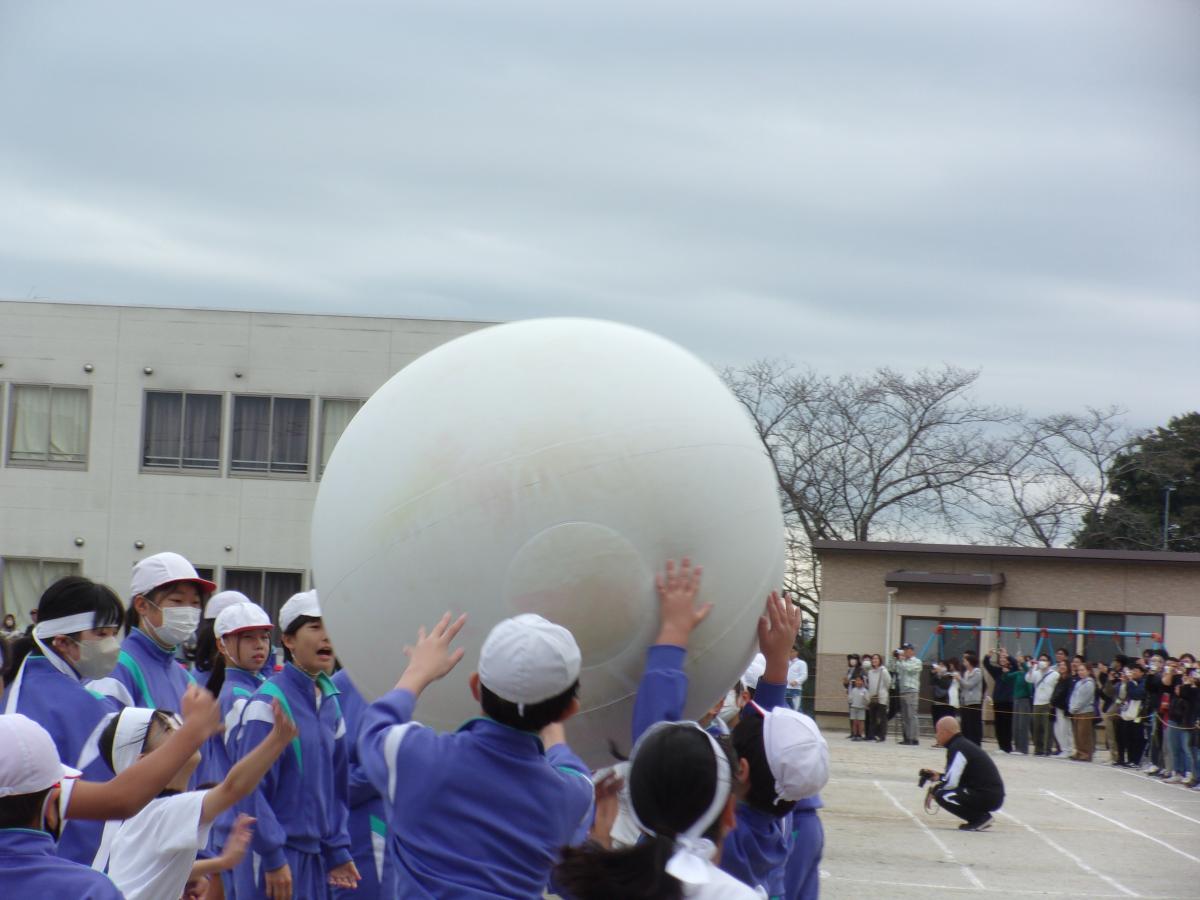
{"type": "Point", "coordinates": [123, 796]}
{"type": "Point", "coordinates": [777, 630]}
{"type": "Point", "coordinates": [245, 775]}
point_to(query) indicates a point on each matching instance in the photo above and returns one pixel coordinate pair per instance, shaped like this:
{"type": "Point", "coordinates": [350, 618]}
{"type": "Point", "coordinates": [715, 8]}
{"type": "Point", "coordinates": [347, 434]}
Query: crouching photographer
{"type": "Point", "coordinates": [971, 787]}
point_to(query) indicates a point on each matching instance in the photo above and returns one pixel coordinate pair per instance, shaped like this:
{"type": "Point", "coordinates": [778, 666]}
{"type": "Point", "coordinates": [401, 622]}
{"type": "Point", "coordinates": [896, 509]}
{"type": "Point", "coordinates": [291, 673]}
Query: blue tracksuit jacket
{"type": "Point", "coordinates": [30, 870]}
{"type": "Point", "coordinates": [146, 675]}
{"type": "Point", "coordinates": [368, 818]}
{"type": "Point", "coordinates": [301, 803]}
{"type": "Point", "coordinates": [479, 813]}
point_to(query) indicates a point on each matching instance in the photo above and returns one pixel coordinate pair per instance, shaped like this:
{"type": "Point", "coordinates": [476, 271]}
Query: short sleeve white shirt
{"type": "Point", "coordinates": [153, 853]}
{"type": "Point", "coordinates": [797, 673]}
{"type": "Point", "coordinates": [721, 886]}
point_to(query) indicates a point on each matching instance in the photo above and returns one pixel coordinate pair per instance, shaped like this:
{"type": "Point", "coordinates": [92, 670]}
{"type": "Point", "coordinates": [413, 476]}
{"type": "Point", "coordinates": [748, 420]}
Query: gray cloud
{"type": "Point", "coordinates": [1011, 186]}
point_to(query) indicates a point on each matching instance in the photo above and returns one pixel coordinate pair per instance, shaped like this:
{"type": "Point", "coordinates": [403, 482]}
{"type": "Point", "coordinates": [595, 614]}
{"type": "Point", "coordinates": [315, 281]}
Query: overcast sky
{"type": "Point", "coordinates": [1013, 186]}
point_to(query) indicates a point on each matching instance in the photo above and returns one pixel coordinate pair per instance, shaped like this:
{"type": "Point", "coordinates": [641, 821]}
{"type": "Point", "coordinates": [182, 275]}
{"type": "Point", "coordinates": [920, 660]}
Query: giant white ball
{"type": "Point", "coordinates": [547, 466]}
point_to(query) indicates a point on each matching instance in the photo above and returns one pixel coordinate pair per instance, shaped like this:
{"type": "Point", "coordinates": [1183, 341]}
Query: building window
{"type": "Point", "coordinates": [22, 582]}
{"type": "Point", "coordinates": [270, 435]}
{"type": "Point", "coordinates": [335, 416]}
{"type": "Point", "coordinates": [48, 426]}
{"type": "Point", "coordinates": [1104, 648]}
{"type": "Point", "coordinates": [917, 630]}
{"type": "Point", "coordinates": [181, 431]}
{"type": "Point", "coordinates": [268, 589]}
{"type": "Point", "coordinates": [1030, 621]}
{"type": "Point", "coordinates": [206, 572]}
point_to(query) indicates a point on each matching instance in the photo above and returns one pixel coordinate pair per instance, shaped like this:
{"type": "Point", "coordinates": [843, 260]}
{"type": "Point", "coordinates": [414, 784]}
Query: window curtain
{"type": "Point", "coordinates": [160, 431]}
{"type": "Point", "coordinates": [289, 435]}
{"type": "Point", "coordinates": [30, 422]}
{"type": "Point", "coordinates": [251, 434]}
{"type": "Point", "coordinates": [277, 587]}
{"type": "Point", "coordinates": [22, 582]}
{"type": "Point", "coordinates": [68, 424]}
{"type": "Point", "coordinates": [202, 432]}
{"type": "Point", "coordinates": [335, 416]}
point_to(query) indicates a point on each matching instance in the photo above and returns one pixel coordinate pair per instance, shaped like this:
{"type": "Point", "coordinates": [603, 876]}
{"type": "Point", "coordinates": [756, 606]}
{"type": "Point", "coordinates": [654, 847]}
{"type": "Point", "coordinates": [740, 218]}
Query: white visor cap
{"type": "Point", "coordinates": [302, 604]}
{"type": "Point", "coordinates": [758, 666]}
{"type": "Point", "coordinates": [29, 763]}
{"type": "Point", "coordinates": [241, 617]}
{"type": "Point", "coordinates": [796, 752]}
{"type": "Point", "coordinates": [165, 568]}
{"type": "Point", "coordinates": [218, 603]}
{"type": "Point", "coordinates": [528, 659]}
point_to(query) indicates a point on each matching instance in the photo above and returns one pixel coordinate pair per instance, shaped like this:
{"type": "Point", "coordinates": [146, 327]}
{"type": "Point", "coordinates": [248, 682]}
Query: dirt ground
{"type": "Point", "coordinates": [1067, 829]}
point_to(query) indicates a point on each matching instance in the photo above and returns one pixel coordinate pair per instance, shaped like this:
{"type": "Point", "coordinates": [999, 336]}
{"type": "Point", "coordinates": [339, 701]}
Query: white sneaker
{"type": "Point", "coordinates": [1151, 769]}
{"type": "Point", "coordinates": [1174, 779]}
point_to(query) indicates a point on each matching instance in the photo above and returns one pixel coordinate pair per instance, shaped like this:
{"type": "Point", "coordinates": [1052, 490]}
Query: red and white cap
{"type": "Point", "coordinates": [528, 659]}
{"type": "Point", "coordinates": [241, 617]}
{"type": "Point", "coordinates": [221, 601]}
{"type": "Point", "coordinates": [29, 763]}
{"type": "Point", "coordinates": [165, 568]}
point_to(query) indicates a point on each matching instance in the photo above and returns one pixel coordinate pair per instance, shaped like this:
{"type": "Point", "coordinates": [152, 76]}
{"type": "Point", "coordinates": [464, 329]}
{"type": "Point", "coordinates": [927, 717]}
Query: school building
{"type": "Point", "coordinates": [131, 430]}
{"type": "Point", "coordinates": [877, 595]}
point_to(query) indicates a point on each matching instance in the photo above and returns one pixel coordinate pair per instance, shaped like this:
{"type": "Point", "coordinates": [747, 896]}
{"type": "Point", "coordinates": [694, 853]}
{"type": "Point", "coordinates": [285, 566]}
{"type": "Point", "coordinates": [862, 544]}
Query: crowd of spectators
{"type": "Point", "coordinates": [1142, 711]}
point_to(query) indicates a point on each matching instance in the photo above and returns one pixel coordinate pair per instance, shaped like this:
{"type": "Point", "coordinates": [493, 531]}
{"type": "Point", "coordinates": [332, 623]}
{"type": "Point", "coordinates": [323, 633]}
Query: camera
{"type": "Point", "coordinates": [925, 775]}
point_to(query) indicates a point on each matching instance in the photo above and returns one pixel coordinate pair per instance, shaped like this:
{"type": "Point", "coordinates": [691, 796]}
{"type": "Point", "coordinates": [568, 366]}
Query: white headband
{"type": "Point", "coordinates": [693, 852]}
{"type": "Point", "coordinates": [66, 625]}
{"type": "Point", "coordinates": [132, 726]}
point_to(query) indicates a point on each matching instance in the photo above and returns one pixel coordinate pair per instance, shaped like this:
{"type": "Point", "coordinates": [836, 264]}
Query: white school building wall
{"type": "Point", "coordinates": [93, 498]}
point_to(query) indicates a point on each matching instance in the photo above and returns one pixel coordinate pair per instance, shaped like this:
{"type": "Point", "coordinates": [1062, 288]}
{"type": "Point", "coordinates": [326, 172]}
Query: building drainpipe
{"type": "Point", "coordinates": [887, 628]}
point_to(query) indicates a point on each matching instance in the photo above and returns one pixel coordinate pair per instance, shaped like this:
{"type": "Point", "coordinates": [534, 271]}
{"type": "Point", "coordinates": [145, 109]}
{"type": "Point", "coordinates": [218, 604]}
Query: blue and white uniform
{"type": "Point", "coordinates": [30, 870]}
{"type": "Point", "coordinates": [479, 813]}
{"type": "Point", "coordinates": [803, 871]}
{"type": "Point", "coordinates": [756, 851]}
{"type": "Point", "coordinates": [301, 803]}
{"type": "Point", "coordinates": [368, 818]}
{"type": "Point", "coordinates": [51, 693]}
{"type": "Point", "coordinates": [146, 675]}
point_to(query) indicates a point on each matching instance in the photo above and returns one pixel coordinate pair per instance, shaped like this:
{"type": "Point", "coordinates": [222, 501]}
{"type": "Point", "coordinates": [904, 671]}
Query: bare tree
{"type": "Point", "coordinates": [881, 455]}
{"type": "Point", "coordinates": [1058, 472]}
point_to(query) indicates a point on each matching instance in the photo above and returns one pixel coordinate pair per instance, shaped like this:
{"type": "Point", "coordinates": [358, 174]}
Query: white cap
{"type": "Point", "coordinates": [528, 659]}
{"type": "Point", "coordinates": [796, 752]}
{"type": "Point", "coordinates": [29, 763]}
{"type": "Point", "coordinates": [758, 666]}
{"type": "Point", "coordinates": [218, 602]}
{"type": "Point", "coordinates": [302, 604]}
{"type": "Point", "coordinates": [241, 617]}
{"type": "Point", "coordinates": [165, 568]}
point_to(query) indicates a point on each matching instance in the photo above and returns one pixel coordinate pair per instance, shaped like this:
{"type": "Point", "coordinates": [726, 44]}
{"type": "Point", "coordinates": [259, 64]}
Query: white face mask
{"type": "Point", "coordinates": [179, 624]}
{"type": "Point", "coordinates": [866, 664]}
{"type": "Point", "coordinates": [1043, 664]}
{"type": "Point", "coordinates": [97, 658]}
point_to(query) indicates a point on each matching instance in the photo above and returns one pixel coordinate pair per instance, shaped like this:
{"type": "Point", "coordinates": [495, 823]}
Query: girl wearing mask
{"type": "Point", "coordinates": [75, 640]}
{"type": "Point", "coordinates": [165, 610]}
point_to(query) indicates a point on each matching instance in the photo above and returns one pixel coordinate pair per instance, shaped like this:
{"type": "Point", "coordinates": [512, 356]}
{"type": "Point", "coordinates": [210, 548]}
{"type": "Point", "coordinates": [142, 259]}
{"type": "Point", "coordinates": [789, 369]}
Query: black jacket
{"type": "Point", "coordinates": [979, 774]}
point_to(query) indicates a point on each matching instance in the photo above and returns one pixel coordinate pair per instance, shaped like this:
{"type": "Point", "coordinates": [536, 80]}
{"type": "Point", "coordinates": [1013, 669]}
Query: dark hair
{"type": "Point", "coordinates": [748, 742]}
{"type": "Point", "coordinates": [208, 655]}
{"type": "Point", "coordinates": [295, 625]}
{"type": "Point", "coordinates": [971, 657]}
{"type": "Point", "coordinates": [671, 784]}
{"type": "Point", "coordinates": [536, 716]}
{"type": "Point", "coordinates": [18, 810]}
{"type": "Point", "coordinates": [69, 596]}
{"type": "Point", "coordinates": [109, 735]}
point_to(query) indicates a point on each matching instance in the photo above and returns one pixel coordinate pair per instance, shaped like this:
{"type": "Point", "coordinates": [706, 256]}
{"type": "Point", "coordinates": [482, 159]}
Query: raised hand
{"type": "Point", "coordinates": [237, 842]}
{"type": "Point", "coordinates": [201, 710]}
{"type": "Point", "coordinates": [608, 792]}
{"type": "Point", "coordinates": [678, 613]}
{"type": "Point", "coordinates": [777, 630]}
{"type": "Point", "coordinates": [431, 657]}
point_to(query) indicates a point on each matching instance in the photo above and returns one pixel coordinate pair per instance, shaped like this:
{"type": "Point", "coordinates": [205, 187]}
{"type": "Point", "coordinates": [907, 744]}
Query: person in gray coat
{"type": "Point", "coordinates": [970, 698]}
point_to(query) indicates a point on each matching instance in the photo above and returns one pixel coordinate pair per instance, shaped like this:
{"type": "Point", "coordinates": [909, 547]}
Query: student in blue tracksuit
{"type": "Point", "coordinates": [758, 849]}
{"type": "Point", "coordinates": [483, 812]}
{"type": "Point", "coordinates": [802, 878]}
{"type": "Point", "coordinates": [242, 635]}
{"type": "Point", "coordinates": [368, 818]}
{"type": "Point", "coordinates": [75, 639]}
{"type": "Point", "coordinates": [207, 669]}
{"type": "Point", "coordinates": [301, 842]}
{"type": "Point", "coordinates": [30, 778]}
{"type": "Point", "coordinates": [164, 612]}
